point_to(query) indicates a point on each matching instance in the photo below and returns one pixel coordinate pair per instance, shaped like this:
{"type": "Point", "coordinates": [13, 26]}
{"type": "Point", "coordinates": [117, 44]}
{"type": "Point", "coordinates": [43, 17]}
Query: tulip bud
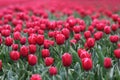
{"type": "Point", "coordinates": [87, 64]}
{"type": "Point", "coordinates": [117, 53]}
{"type": "Point", "coordinates": [24, 51]}
{"type": "Point", "coordinates": [32, 59]}
{"type": "Point", "coordinates": [107, 62]}
{"type": "Point", "coordinates": [35, 77]}
{"type": "Point", "coordinates": [87, 34]}
{"type": "Point", "coordinates": [45, 53]}
{"type": "Point", "coordinates": [49, 61]}
{"type": "Point", "coordinates": [8, 41]}
{"type": "Point", "coordinates": [32, 48]}
{"type": "Point", "coordinates": [14, 55]}
{"type": "Point", "coordinates": [66, 59]}
{"type": "Point", "coordinates": [114, 38]}
{"type": "Point", "coordinates": [90, 42]}
{"type": "Point", "coordinates": [52, 70]}
{"type": "Point", "coordinates": [40, 39]}
{"type": "Point", "coordinates": [60, 39]}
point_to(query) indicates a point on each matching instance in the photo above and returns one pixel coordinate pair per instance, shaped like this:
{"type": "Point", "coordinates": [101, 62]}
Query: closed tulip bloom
{"type": "Point", "coordinates": [32, 48]}
{"type": "Point", "coordinates": [36, 77]}
{"type": "Point", "coordinates": [117, 53]}
{"type": "Point", "coordinates": [52, 70]}
{"type": "Point", "coordinates": [114, 27]}
{"type": "Point", "coordinates": [32, 59]}
{"type": "Point", "coordinates": [16, 35]}
{"type": "Point", "coordinates": [100, 26]}
{"type": "Point", "coordinates": [8, 41]}
{"type": "Point", "coordinates": [87, 34]}
{"type": "Point", "coordinates": [23, 40]}
{"type": "Point", "coordinates": [45, 53]}
{"type": "Point", "coordinates": [60, 39]}
{"type": "Point", "coordinates": [76, 29]}
{"type": "Point", "coordinates": [115, 17]}
{"type": "Point", "coordinates": [24, 51]}
{"type": "Point", "coordinates": [14, 55]}
{"type": "Point", "coordinates": [66, 33]}
{"type": "Point", "coordinates": [98, 35]}
{"type": "Point", "coordinates": [114, 38]}
{"type": "Point", "coordinates": [77, 37]}
{"type": "Point", "coordinates": [32, 40]}
{"type": "Point", "coordinates": [40, 39]}
{"type": "Point", "coordinates": [49, 61]}
{"type": "Point", "coordinates": [107, 62]}
{"type": "Point", "coordinates": [90, 42]}
{"type": "Point", "coordinates": [47, 44]}
{"type": "Point", "coordinates": [107, 29]}
{"type": "Point", "coordinates": [51, 34]}
{"type": "Point", "coordinates": [87, 64]}
{"type": "Point", "coordinates": [5, 33]}
{"type": "Point", "coordinates": [14, 46]}
{"type": "Point", "coordinates": [66, 59]}
{"type": "Point", "coordinates": [73, 41]}
{"type": "Point", "coordinates": [82, 28]}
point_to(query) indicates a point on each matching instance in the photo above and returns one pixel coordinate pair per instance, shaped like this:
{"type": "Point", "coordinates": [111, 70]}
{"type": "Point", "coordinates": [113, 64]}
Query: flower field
{"type": "Point", "coordinates": [59, 40]}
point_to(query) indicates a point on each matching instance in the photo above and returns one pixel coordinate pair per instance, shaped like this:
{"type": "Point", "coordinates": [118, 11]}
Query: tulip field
{"type": "Point", "coordinates": [59, 40]}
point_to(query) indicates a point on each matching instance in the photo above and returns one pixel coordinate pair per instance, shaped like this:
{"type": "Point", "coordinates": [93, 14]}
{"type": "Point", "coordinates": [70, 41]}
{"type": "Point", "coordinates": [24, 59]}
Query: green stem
{"type": "Point", "coordinates": [118, 63]}
{"type": "Point", "coordinates": [66, 73]}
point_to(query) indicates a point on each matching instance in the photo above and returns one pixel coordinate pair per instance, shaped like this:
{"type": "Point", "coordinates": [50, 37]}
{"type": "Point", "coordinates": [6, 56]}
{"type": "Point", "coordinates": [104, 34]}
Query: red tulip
{"type": "Point", "coordinates": [52, 70]}
{"type": "Point", "coordinates": [23, 40]}
{"type": "Point", "coordinates": [118, 45]}
{"type": "Point", "coordinates": [114, 27]}
{"type": "Point", "coordinates": [117, 53]}
{"type": "Point", "coordinates": [76, 29]}
{"type": "Point", "coordinates": [82, 28]}
{"type": "Point", "coordinates": [32, 48]}
{"type": "Point", "coordinates": [16, 35]}
{"type": "Point", "coordinates": [51, 34]}
{"type": "Point", "coordinates": [32, 39]}
{"type": "Point", "coordinates": [73, 41]}
{"type": "Point", "coordinates": [14, 46]}
{"type": "Point", "coordinates": [87, 64]}
{"type": "Point", "coordinates": [5, 33]}
{"type": "Point", "coordinates": [100, 26]}
{"type": "Point", "coordinates": [45, 53]}
{"type": "Point", "coordinates": [14, 55]}
{"type": "Point", "coordinates": [47, 44]}
{"type": "Point", "coordinates": [32, 59]}
{"type": "Point", "coordinates": [91, 29]}
{"type": "Point", "coordinates": [107, 62]}
{"type": "Point", "coordinates": [90, 42]}
{"type": "Point", "coordinates": [115, 17]}
{"type": "Point", "coordinates": [60, 39]}
{"type": "Point", "coordinates": [8, 41]}
{"type": "Point", "coordinates": [40, 39]}
{"type": "Point", "coordinates": [35, 77]}
{"type": "Point", "coordinates": [66, 59]}
{"type": "Point", "coordinates": [77, 37]}
{"type": "Point", "coordinates": [98, 35]}
{"type": "Point", "coordinates": [71, 22]}
{"type": "Point", "coordinates": [49, 61]}
{"type": "Point", "coordinates": [24, 51]}
{"type": "Point", "coordinates": [114, 38]}
{"type": "Point", "coordinates": [66, 33]}
{"type": "Point", "coordinates": [107, 29]}
{"type": "Point", "coordinates": [87, 34]}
